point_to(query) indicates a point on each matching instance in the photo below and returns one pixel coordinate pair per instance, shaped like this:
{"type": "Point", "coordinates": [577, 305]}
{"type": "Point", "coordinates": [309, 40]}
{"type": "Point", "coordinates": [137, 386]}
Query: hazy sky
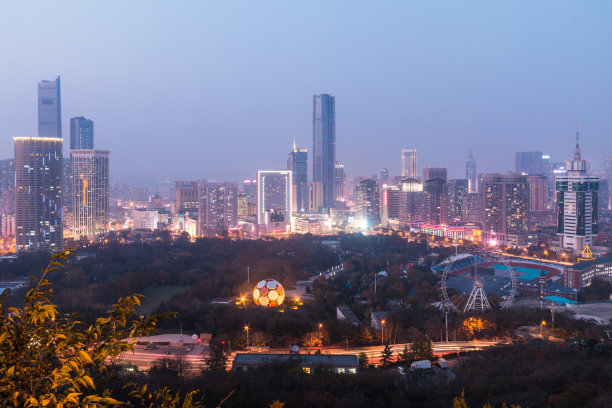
{"type": "Point", "coordinates": [200, 89]}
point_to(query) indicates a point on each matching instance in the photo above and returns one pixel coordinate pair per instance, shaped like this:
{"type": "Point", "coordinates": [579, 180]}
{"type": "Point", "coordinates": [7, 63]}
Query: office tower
{"type": "Point", "coordinates": [412, 202]}
{"type": "Point", "coordinates": [315, 196]}
{"type": "Point", "coordinates": [81, 133]}
{"type": "Point", "coordinates": [367, 213]}
{"type": "Point", "coordinates": [577, 221]}
{"type": "Point", "coordinates": [603, 201]}
{"type": "Point", "coordinates": [470, 173]}
{"type": "Point", "coordinates": [144, 219]}
{"type": "Point", "coordinates": [505, 209]}
{"type": "Point", "coordinates": [409, 163]}
{"type": "Point", "coordinates": [217, 208]}
{"type": "Point", "coordinates": [538, 192]}
{"type": "Point", "coordinates": [67, 182]}
{"type": "Point", "coordinates": [390, 206]}
{"type": "Point", "coordinates": [530, 163]}
{"type": "Point", "coordinates": [249, 187]}
{"type": "Point", "coordinates": [243, 207]}
{"type": "Point", "coordinates": [472, 208]}
{"type": "Point", "coordinates": [457, 192]}
{"type": "Point", "coordinates": [430, 173]}
{"type": "Point", "coordinates": [298, 164]}
{"type": "Point", "coordinates": [49, 109]}
{"type": "Point", "coordinates": [274, 200]}
{"type": "Point", "coordinates": [384, 176]}
{"type": "Point", "coordinates": [324, 145]}
{"type": "Point", "coordinates": [90, 192]}
{"type": "Point", "coordinates": [340, 183]}
{"type": "Point", "coordinates": [7, 175]}
{"type": "Point", "coordinates": [38, 194]}
{"type": "Point", "coordinates": [187, 197]}
{"type": "Point", "coordinates": [607, 194]}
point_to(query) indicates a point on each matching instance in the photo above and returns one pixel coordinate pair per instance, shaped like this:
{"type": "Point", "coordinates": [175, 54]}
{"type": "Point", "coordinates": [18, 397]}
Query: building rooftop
{"type": "Point", "coordinates": [580, 266]}
{"type": "Point", "coordinates": [253, 359]}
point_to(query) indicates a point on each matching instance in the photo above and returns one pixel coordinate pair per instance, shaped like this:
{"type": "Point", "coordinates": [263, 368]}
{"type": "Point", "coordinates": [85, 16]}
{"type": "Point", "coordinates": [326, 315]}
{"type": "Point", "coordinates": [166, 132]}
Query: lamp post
{"type": "Point", "coordinates": [320, 326]}
{"type": "Point", "coordinates": [246, 327]}
{"type": "Point", "coordinates": [543, 323]}
{"type": "Point", "coordinates": [382, 337]}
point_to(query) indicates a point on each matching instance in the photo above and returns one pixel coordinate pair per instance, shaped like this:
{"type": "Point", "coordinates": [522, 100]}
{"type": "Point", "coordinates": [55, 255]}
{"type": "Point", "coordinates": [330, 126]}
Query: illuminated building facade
{"type": "Point", "coordinates": [457, 198]}
{"type": "Point", "coordinates": [324, 145]}
{"type": "Point", "coordinates": [340, 183]}
{"type": "Point", "coordinates": [577, 210]}
{"type": "Point", "coordinates": [367, 214]}
{"type": "Point", "coordinates": [249, 187]}
{"type": "Point", "coordinates": [298, 164]}
{"type": "Point", "coordinates": [145, 219]}
{"type": "Point", "coordinates": [243, 206]}
{"type": "Point", "coordinates": [505, 209]}
{"type": "Point", "coordinates": [538, 192]}
{"type": "Point", "coordinates": [274, 201]}
{"type": "Point", "coordinates": [409, 163]}
{"type": "Point", "coordinates": [187, 197]}
{"type": "Point", "coordinates": [453, 232]}
{"type": "Point", "coordinates": [315, 196]}
{"type": "Point", "coordinates": [90, 192]}
{"type": "Point", "coordinates": [470, 173]}
{"type": "Point", "coordinates": [217, 208]}
{"type": "Point", "coordinates": [38, 194]}
{"type": "Point", "coordinates": [49, 109]}
{"type": "Point", "coordinates": [391, 203]}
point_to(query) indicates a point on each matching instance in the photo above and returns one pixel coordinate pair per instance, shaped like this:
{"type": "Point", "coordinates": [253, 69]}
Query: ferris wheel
{"type": "Point", "coordinates": [476, 281]}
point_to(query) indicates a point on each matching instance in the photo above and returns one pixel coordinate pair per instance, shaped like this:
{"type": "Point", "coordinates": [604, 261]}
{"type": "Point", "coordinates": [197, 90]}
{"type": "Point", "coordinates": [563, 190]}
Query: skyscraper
{"type": "Point", "coordinates": [90, 192]}
{"type": "Point", "coordinates": [340, 183]}
{"type": "Point", "coordinates": [409, 163]}
{"type": "Point", "coordinates": [470, 173]}
{"type": "Point", "coordinates": [274, 200]}
{"type": "Point", "coordinates": [298, 164]}
{"type": "Point", "coordinates": [38, 194]}
{"type": "Point", "coordinates": [81, 133]}
{"type": "Point", "coordinates": [367, 211]}
{"type": "Point", "coordinates": [49, 109]}
{"type": "Point", "coordinates": [530, 163]}
{"type": "Point", "coordinates": [505, 204]}
{"type": "Point", "coordinates": [217, 208]}
{"type": "Point", "coordinates": [187, 197]}
{"type": "Point", "coordinates": [430, 173]}
{"type": "Point", "coordinates": [324, 145]}
{"type": "Point", "coordinates": [457, 198]}
{"type": "Point", "coordinates": [538, 191]}
{"type": "Point", "coordinates": [577, 221]}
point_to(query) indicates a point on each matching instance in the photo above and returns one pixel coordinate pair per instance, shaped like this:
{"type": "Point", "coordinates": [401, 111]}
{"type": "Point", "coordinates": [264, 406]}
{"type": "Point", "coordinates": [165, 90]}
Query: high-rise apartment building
{"type": "Point", "coordinates": [217, 208]}
{"type": "Point", "coordinates": [505, 203]}
{"type": "Point", "coordinates": [274, 201]}
{"type": "Point", "coordinates": [90, 192]}
{"type": "Point", "coordinates": [49, 109]}
{"type": "Point", "coordinates": [530, 163]}
{"type": "Point", "coordinates": [577, 220]}
{"type": "Point", "coordinates": [457, 192]}
{"type": "Point", "coordinates": [187, 197]}
{"type": "Point", "coordinates": [249, 187]}
{"type": "Point", "coordinates": [298, 164]}
{"type": "Point", "coordinates": [7, 175]}
{"type": "Point", "coordinates": [340, 183]}
{"type": "Point", "coordinates": [470, 173]}
{"type": "Point", "coordinates": [538, 192]}
{"type": "Point", "coordinates": [390, 205]}
{"type": "Point", "coordinates": [434, 184]}
{"type": "Point", "coordinates": [409, 163]}
{"type": "Point", "coordinates": [367, 211]}
{"type": "Point", "coordinates": [81, 133]}
{"type": "Point", "coordinates": [38, 194]}
{"type": "Point", "coordinates": [324, 145]}
{"type": "Point", "coordinates": [243, 206]}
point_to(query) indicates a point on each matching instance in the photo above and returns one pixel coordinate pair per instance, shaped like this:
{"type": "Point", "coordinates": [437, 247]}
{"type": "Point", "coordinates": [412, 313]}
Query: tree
{"type": "Point", "coordinates": [50, 359]}
{"type": "Point", "coordinates": [405, 355]}
{"type": "Point", "coordinates": [217, 359]}
{"type": "Point", "coordinates": [421, 348]}
{"type": "Point", "coordinates": [386, 356]}
{"type": "Point", "coordinates": [363, 360]}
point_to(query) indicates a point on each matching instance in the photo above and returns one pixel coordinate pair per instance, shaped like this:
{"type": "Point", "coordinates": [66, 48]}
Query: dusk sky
{"type": "Point", "coordinates": [218, 90]}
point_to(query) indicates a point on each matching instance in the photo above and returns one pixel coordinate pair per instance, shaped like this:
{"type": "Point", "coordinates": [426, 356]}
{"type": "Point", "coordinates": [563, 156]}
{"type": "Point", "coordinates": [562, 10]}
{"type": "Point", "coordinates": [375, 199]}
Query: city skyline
{"type": "Point", "coordinates": [438, 118]}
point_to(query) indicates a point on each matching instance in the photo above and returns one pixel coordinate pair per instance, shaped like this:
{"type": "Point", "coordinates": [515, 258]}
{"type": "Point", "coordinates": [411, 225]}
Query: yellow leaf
{"type": "Point", "coordinates": [85, 356]}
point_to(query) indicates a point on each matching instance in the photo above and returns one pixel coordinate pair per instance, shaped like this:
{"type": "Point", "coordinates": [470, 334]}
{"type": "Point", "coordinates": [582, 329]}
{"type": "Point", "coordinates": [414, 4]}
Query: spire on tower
{"type": "Point", "coordinates": [577, 151]}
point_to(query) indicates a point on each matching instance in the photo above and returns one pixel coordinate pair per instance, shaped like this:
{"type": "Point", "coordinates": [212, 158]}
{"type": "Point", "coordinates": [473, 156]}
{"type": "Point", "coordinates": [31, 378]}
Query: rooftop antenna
{"type": "Point", "coordinates": [577, 151]}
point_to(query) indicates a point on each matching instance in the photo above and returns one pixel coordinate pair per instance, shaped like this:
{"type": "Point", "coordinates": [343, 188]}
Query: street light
{"type": "Point", "coordinates": [246, 327]}
{"type": "Point", "coordinates": [320, 326]}
{"type": "Point", "coordinates": [382, 337]}
{"type": "Point", "coordinates": [542, 324]}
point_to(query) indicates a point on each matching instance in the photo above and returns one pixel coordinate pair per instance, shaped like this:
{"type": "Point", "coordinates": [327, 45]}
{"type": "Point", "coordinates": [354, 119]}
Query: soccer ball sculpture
{"type": "Point", "coordinates": [268, 293]}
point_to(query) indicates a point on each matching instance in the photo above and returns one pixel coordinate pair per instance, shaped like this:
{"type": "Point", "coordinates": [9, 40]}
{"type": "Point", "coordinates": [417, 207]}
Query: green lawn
{"type": "Point", "coordinates": [154, 295]}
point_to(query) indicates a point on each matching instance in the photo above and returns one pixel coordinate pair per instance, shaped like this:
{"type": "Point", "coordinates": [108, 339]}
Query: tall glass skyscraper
{"type": "Point", "coordinates": [324, 145]}
{"type": "Point", "coordinates": [49, 109]}
{"type": "Point", "coordinates": [470, 173]}
{"type": "Point", "coordinates": [409, 163]}
{"type": "Point", "coordinates": [298, 164]}
{"type": "Point", "coordinates": [81, 133]}
{"type": "Point", "coordinates": [38, 194]}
